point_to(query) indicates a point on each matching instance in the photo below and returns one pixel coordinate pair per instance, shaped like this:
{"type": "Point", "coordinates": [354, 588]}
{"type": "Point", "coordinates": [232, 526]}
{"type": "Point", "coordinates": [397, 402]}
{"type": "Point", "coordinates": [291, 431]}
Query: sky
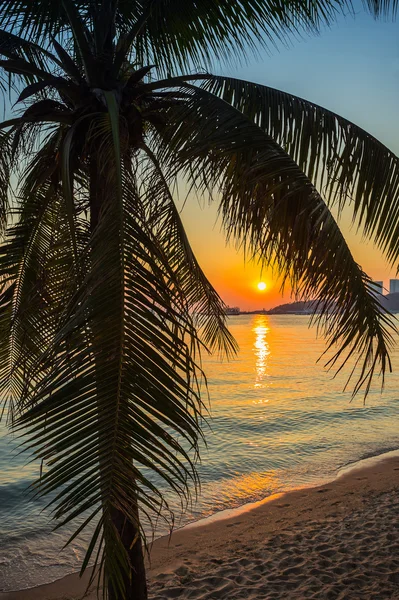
{"type": "Point", "coordinates": [351, 68]}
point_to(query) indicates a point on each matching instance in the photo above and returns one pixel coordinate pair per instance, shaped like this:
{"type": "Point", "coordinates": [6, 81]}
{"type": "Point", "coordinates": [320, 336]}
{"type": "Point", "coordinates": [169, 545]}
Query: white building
{"type": "Point", "coordinates": [232, 310]}
{"type": "Point", "coordinates": [393, 286]}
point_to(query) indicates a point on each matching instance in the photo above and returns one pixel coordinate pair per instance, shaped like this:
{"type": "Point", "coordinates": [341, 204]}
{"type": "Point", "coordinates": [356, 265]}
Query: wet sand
{"type": "Point", "coordinates": [336, 541]}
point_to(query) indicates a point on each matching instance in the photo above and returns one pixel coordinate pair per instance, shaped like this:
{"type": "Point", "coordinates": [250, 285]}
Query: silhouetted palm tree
{"type": "Point", "coordinates": [103, 308]}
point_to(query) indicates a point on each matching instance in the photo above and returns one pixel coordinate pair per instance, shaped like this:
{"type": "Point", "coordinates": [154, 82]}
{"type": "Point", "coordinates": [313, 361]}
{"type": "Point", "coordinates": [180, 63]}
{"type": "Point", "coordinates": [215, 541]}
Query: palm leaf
{"type": "Point", "coordinates": [137, 369]}
{"type": "Point", "coordinates": [118, 338]}
{"type": "Point", "coordinates": [5, 173]}
{"type": "Point", "coordinates": [178, 33]}
{"type": "Point", "coordinates": [68, 65]}
{"type": "Point", "coordinates": [33, 20]}
{"type": "Point", "coordinates": [272, 209]}
{"type": "Point", "coordinates": [33, 254]}
{"type": "Point", "coordinates": [161, 214]}
{"type": "Point", "coordinates": [15, 47]}
{"type": "Point", "coordinates": [81, 35]}
{"type": "Point", "coordinates": [347, 163]}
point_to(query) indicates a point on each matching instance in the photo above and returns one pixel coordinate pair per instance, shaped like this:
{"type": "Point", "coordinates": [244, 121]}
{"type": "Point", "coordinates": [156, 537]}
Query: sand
{"type": "Point", "coordinates": [336, 541]}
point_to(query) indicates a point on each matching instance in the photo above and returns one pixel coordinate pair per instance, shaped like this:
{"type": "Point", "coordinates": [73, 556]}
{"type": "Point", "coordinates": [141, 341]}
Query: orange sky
{"type": "Point", "coordinates": [236, 281]}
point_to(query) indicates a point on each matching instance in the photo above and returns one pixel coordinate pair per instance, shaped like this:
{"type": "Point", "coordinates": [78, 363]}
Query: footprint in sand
{"type": "Point", "coordinates": [181, 571]}
{"type": "Point", "coordinates": [216, 561]}
{"type": "Point", "coordinates": [162, 576]}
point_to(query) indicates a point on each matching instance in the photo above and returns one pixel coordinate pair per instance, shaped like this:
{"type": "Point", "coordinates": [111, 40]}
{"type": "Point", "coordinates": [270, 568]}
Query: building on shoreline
{"type": "Point", "coordinates": [232, 310]}
{"type": "Point", "coordinates": [378, 287]}
{"type": "Point", "coordinates": [393, 286]}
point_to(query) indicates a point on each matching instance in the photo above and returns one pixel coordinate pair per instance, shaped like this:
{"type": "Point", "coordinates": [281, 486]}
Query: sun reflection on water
{"type": "Point", "coordinates": [251, 486]}
{"type": "Point", "coordinates": [261, 350]}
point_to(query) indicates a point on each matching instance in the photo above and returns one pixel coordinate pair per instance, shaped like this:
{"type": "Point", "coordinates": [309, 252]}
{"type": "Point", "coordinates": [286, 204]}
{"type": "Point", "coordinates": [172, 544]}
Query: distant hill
{"type": "Point", "coordinates": [292, 308]}
{"type": "Point", "coordinates": [389, 302]}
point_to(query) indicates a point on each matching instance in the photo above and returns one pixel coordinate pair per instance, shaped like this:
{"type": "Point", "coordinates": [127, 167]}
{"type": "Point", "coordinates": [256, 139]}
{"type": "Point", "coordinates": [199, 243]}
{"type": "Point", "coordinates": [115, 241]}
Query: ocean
{"type": "Point", "coordinates": [278, 421]}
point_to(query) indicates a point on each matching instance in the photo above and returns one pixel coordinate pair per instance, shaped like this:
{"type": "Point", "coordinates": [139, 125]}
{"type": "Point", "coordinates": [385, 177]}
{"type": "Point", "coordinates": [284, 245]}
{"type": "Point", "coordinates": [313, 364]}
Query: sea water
{"type": "Point", "coordinates": [278, 421]}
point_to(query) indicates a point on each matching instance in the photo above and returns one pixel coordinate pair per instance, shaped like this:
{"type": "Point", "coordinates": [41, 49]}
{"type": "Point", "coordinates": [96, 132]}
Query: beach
{"type": "Point", "coordinates": [336, 541]}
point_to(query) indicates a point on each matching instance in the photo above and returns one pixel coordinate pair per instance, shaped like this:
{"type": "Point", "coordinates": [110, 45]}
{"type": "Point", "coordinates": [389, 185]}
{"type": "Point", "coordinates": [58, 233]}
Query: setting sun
{"type": "Point", "coordinates": [261, 286]}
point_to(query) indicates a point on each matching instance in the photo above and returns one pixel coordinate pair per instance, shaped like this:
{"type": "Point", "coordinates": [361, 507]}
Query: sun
{"type": "Point", "coordinates": [262, 286]}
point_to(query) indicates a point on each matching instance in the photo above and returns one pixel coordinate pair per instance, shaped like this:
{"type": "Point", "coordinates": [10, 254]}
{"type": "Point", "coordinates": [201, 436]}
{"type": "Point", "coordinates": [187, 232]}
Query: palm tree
{"type": "Point", "coordinates": [104, 309]}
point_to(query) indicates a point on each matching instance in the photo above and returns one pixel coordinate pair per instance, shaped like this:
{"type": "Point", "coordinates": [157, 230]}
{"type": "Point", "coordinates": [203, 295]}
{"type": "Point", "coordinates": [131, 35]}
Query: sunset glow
{"type": "Point", "coordinates": [236, 279]}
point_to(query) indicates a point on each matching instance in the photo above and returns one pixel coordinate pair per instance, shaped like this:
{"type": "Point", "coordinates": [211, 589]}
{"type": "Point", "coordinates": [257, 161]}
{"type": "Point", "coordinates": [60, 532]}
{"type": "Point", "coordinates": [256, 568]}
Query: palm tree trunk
{"type": "Point", "coordinates": [135, 581]}
{"type": "Point", "coordinates": [136, 584]}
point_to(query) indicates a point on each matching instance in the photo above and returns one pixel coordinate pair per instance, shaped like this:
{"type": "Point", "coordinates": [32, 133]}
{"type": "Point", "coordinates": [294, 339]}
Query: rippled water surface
{"type": "Point", "coordinates": [278, 421]}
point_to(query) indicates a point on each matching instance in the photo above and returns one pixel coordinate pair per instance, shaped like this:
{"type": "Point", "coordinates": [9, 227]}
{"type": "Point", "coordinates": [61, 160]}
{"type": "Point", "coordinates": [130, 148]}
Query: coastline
{"type": "Point", "coordinates": [331, 538]}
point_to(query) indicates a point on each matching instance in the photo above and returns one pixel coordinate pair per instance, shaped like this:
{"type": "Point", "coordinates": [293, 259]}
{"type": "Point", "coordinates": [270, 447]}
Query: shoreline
{"type": "Point", "coordinates": [228, 513]}
{"type": "Point", "coordinates": [178, 562]}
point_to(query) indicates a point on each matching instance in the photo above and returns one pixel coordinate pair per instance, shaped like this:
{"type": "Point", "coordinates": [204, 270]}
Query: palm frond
{"type": "Point", "coordinates": [179, 34]}
{"type": "Point", "coordinates": [99, 363]}
{"type": "Point", "coordinates": [33, 255]}
{"type": "Point", "coordinates": [25, 61]}
{"type": "Point", "coordinates": [82, 37]}
{"type": "Point", "coordinates": [162, 216]}
{"type": "Point", "coordinates": [15, 47]}
{"type": "Point", "coordinates": [175, 34]}
{"type": "Point", "coordinates": [5, 174]}
{"type": "Point", "coordinates": [275, 213]}
{"type": "Point", "coordinates": [348, 164]}
{"type": "Point", "coordinates": [126, 387]}
{"type": "Point", "coordinates": [35, 21]}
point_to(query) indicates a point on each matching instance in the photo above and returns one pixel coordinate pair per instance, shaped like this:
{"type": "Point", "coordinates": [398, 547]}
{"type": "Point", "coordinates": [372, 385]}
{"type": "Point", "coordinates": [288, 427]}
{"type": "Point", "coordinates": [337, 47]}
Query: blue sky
{"type": "Point", "coordinates": [351, 68]}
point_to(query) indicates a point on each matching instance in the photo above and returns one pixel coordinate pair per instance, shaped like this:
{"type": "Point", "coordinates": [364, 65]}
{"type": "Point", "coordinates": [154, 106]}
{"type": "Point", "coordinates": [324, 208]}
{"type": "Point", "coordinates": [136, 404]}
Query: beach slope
{"type": "Point", "coordinates": [336, 541]}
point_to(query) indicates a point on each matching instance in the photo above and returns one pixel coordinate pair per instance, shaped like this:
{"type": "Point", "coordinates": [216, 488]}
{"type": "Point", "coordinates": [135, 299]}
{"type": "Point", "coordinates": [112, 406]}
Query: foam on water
{"type": "Point", "coordinates": [279, 421]}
